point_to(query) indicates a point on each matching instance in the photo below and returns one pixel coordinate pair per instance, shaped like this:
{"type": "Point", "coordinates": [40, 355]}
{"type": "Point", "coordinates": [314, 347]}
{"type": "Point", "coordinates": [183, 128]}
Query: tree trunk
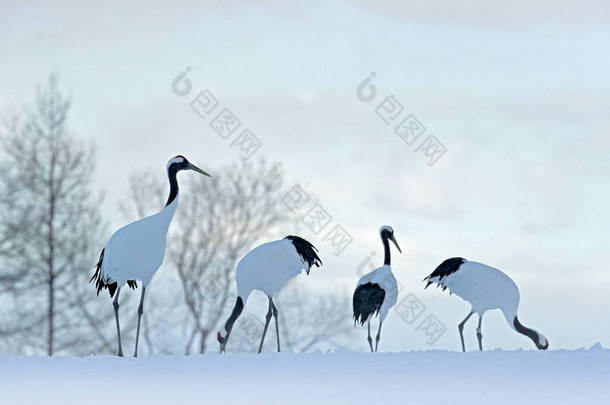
{"type": "Point", "coordinates": [51, 261]}
{"type": "Point", "coordinates": [204, 336]}
{"type": "Point", "coordinates": [50, 314]}
{"type": "Point", "coordinates": [51, 269]}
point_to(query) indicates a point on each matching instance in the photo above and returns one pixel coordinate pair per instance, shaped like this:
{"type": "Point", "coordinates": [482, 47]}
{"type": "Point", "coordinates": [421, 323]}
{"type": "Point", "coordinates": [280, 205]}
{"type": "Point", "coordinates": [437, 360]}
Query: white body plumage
{"type": "Point", "coordinates": [268, 268]}
{"type": "Point", "coordinates": [484, 287]}
{"type": "Point", "coordinates": [136, 251]}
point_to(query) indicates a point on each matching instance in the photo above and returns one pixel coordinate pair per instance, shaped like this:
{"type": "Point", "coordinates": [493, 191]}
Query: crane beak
{"type": "Point", "coordinates": [198, 170]}
{"type": "Point", "coordinates": [393, 239]}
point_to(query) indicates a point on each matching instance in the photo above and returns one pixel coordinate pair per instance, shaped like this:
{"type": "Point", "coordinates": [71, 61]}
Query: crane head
{"type": "Point", "coordinates": [387, 233]}
{"type": "Point", "coordinates": [543, 342]}
{"type": "Point", "coordinates": [222, 340]}
{"type": "Point", "coordinates": [179, 162]}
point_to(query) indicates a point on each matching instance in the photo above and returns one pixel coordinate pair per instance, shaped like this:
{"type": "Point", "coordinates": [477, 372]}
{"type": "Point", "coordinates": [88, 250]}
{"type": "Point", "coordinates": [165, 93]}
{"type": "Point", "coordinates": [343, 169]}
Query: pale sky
{"type": "Point", "coordinates": [517, 93]}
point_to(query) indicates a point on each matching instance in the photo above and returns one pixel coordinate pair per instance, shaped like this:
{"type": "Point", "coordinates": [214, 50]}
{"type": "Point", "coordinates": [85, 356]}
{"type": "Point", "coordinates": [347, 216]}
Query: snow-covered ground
{"type": "Point", "coordinates": [341, 377]}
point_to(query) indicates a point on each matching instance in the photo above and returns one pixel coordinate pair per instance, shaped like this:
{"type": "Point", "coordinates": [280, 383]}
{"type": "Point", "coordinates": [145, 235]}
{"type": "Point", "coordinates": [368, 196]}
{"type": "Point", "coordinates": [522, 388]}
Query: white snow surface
{"type": "Point", "coordinates": [340, 377]}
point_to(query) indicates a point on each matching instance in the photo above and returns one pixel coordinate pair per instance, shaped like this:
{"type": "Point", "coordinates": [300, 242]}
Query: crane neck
{"type": "Point", "coordinates": [530, 333]}
{"type": "Point", "coordinates": [173, 184]}
{"type": "Point", "coordinates": [386, 248]}
{"type": "Point", "coordinates": [239, 307]}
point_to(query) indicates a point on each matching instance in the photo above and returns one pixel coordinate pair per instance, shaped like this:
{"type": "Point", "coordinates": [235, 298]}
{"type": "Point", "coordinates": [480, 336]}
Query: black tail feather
{"type": "Point", "coordinates": [367, 301]}
{"type": "Point", "coordinates": [100, 284]}
{"type": "Point", "coordinates": [97, 276]}
{"type": "Point", "coordinates": [446, 268]}
{"type": "Point", "coordinates": [306, 250]}
{"type": "Point", "coordinates": [111, 289]}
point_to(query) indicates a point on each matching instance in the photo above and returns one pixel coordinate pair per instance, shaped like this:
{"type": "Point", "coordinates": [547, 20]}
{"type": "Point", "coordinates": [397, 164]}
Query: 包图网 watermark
{"type": "Point", "coordinates": [310, 214]}
{"type": "Point", "coordinates": [222, 120]}
{"type": "Point", "coordinates": [406, 126]}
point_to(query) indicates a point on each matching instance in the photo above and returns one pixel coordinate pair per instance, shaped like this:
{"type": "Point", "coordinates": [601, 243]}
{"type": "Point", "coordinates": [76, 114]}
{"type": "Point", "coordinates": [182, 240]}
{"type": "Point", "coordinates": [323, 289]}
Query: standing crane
{"type": "Point", "coordinates": [136, 251]}
{"type": "Point", "coordinates": [268, 268]}
{"type": "Point", "coordinates": [377, 291]}
{"type": "Point", "coordinates": [485, 288]}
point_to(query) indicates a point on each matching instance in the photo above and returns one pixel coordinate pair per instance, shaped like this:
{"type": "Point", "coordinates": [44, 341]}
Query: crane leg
{"type": "Point", "coordinates": [378, 335]}
{"type": "Point", "coordinates": [479, 334]}
{"type": "Point", "coordinates": [140, 312]}
{"type": "Point", "coordinates": [369, 338]}
{"type": "Point", "coordinates": [267, 319]}
{"type": "Point", "coordinates": [461, 329]}
{"type": "Point", "coordinates": [115, 304]}
{"type": "Point", "coordinates": [277, 328]}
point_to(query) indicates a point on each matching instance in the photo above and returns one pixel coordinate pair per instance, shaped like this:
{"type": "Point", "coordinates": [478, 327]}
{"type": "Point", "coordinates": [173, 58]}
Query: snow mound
{"type": "Point", "coordinates": [343, 377]}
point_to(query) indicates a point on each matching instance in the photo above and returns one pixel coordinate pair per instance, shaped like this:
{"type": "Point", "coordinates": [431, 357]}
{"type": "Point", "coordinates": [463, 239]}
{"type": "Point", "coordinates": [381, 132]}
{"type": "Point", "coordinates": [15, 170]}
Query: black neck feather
{"type": "Point", "coordinates": [239, 306]}
{"type": "Point", "coordinates": [306, 250]}
{"type": "Point", "coordinates": [530, 333]}
{"type": "Point", "coordinates": [173, 184]}
{"type": "Point", "coordinates": [386, 248]}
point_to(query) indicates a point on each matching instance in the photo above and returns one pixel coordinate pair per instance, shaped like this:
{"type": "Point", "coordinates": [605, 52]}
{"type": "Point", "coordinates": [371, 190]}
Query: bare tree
{"type": "Point", "coordinates": [218, 221]}
{"type": "Point", "coordinates": [50, 229]}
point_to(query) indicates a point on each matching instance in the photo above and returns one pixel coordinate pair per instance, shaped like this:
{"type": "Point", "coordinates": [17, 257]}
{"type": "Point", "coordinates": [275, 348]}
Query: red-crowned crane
{"type": "Point", "coordinates": [136, 251]}
{"type": "Point", "coordinates": [268, 268]}
{"type": "Point", "coordinates": [485, 288]}
{"type": "Point", "coordinates": [377, 291]}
